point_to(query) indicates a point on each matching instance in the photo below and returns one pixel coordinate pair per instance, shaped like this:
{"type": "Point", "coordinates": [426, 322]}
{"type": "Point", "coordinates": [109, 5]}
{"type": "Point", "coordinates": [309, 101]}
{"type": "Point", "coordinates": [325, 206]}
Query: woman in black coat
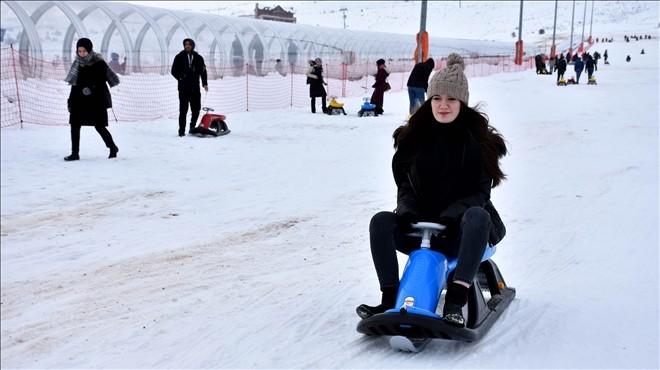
{"type": "Point", "coordinates": [380, 86]}
{"type": "Point", "coordinates": [90, 98]}
{"type": "Point", "coordinates": [316, 82]}
{"type": "Point", "coordinates": [446, 162]}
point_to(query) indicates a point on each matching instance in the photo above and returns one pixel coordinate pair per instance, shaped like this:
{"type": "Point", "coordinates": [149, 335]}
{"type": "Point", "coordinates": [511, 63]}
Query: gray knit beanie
{"type": "Point", "coordinates": [451, 80]}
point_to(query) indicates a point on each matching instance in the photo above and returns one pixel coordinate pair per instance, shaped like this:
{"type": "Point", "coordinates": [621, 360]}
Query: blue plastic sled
{"type": "Point", "coordinates": [421, 286]}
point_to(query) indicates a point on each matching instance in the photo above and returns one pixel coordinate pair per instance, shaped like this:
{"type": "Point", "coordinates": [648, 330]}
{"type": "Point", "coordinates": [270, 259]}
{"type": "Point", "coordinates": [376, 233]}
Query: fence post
{"type": "Point", "coordinates": [247, 87]}
{"type": "Point", "coordinates": [344, 77]}
{"type": "Point", "coordinates": [292, 82]}
{"type": "Point", "coordinates": [18, 94]}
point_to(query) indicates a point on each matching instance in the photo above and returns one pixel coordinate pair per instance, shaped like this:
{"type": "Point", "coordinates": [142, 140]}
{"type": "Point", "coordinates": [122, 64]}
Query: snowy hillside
{"type": "Point", "coordinates": [251, 250]}
{"type": "Point", "coordinates": [478, 20]}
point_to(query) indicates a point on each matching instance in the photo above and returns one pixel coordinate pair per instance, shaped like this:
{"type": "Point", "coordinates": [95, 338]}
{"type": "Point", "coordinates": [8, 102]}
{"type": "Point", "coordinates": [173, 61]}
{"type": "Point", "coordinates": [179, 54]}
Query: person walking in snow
{"type": "Point", "coordinates": [551, 64]}
{"type": "Point", "coordinates": [316, 82]}
{"type": "Point", "coordinates": [89, 98]}
{"type": "Point", "coordinates": [561, 67]}
{"type": "Point", "coordinates": [445, 164]}
{"type": "Point", "coordinates": [579, 67]}
{"type": "Point", "coordinates": [119, 68]}
{"type": "Point", "coordinates": [380, 86]}
{"type": "Point", "coordinates": [188, 67]}
{"type": "Point", "coordinates": [596, 58]}
{"type": "Point", "coordinates": [590, 66]}
{"type": "Point", "coordinates": [418, 82]}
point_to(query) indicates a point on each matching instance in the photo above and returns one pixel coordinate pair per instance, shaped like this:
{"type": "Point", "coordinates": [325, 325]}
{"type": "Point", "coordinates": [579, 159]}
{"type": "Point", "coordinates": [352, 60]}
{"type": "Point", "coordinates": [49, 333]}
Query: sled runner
{"type": "Point", "coordinates": [424, 278]}
{"type": "Point", "coordinates": [211, 125]}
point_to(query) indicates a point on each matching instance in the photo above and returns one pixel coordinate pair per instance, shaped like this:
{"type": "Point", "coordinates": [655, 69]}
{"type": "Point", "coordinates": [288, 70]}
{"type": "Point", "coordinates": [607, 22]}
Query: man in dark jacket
{"type": "Point", "coordinates": [560, 67]}
{"type": "Point", "coordinates": [418, 82]}
{"type": "Point", "coordinates": [579, 67]}
{"type": "Point", "coordinates": [590, 66]}
{"type": "Point", "coordinates": [187, 68]}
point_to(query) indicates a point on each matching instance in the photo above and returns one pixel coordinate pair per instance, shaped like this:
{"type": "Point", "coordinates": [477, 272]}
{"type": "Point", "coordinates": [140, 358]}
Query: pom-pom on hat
{"type": "Point", "coordinates": [451, 80]}
{"type": "Point", "coordinates": [85, 43]}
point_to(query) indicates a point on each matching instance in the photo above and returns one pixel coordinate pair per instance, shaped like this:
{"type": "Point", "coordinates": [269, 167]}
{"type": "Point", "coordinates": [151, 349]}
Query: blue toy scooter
{"type": "Point", "coordinates": [412, 323]}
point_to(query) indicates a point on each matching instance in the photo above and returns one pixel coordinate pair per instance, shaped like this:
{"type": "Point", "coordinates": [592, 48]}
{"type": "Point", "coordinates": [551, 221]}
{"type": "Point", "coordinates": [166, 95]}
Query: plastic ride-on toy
{"type": "Point", "coordinates": [211, 125]}
{"type": "Point", "coordinates": [334, 107]}
{"type": "Point", "coordinates": [367, 109]}
{"type": "Point", "coordinates": [592, 81]}
{"type": "Point", "coordinates": [412, 323]}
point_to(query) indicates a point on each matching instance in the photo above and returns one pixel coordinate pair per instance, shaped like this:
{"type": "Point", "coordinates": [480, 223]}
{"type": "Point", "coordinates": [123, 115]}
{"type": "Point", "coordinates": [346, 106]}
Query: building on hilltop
{"type": "Point", "coordinates": [276, 14]}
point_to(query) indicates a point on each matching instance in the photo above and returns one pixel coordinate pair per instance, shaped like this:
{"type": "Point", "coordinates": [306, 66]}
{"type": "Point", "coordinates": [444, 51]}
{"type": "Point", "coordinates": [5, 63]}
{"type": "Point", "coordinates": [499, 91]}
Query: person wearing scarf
{"type": "Point", "coordinates": [90, 98]}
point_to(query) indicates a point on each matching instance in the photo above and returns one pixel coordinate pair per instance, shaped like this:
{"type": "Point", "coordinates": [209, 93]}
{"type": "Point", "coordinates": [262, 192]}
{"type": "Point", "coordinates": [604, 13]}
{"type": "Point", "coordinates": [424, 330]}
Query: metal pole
{"type": "Point", "coordinates": [584, 21]}
{"type": "Point", "coordinates": [554, 32]}
{"type": "Point", "coordinates": [591, 22]}
{"type": "Point", "coordinates": [422, 29]}
{"type": "Point", "coordinates": [343, 10]}
{"type": "Point", "coordinates": [519, 45]}
{"type": "Point", "coordinates": [520, 22]}
{"type": "Point", "coordinates": [570, 45]}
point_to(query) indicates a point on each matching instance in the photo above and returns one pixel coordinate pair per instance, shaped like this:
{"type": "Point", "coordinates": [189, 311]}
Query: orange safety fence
{"type": "Point", "coordinates": [34, 91]}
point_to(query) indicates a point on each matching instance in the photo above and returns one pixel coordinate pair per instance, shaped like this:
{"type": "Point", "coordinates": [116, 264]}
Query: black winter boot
{"type": "Point", "coordinates": [113, 152]}
{"type": "Point", "coordinates": [455, 299]}
{"type": "Point", "coordinates": [388, 301]}
{"type": "Point", "coordinates": [72, 157]}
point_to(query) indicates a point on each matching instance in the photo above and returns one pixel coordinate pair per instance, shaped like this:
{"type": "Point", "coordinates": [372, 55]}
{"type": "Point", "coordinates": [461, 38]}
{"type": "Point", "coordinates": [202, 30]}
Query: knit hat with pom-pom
{"type": "Point", "coordinates": [451, 80]}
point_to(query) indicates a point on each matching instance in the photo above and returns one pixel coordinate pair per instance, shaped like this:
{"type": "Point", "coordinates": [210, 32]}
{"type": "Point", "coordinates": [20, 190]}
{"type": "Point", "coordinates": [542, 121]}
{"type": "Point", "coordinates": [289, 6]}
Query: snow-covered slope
{"type": "Point", "coordinates": [251, 250]}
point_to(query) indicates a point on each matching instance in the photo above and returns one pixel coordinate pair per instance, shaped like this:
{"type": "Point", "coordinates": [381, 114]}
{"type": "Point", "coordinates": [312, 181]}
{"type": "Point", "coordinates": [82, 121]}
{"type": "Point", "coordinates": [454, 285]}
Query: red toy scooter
{"type": "Point", "coordinates": [211, 125]}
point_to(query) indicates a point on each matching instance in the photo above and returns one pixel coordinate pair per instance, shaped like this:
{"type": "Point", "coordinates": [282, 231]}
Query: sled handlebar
{"type": "Point", "coordinates": [426, 230]}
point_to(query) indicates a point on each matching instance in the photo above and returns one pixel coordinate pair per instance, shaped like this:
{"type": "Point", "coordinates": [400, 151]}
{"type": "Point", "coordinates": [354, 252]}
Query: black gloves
{"type": "Point", "coordinates": [403, 224]}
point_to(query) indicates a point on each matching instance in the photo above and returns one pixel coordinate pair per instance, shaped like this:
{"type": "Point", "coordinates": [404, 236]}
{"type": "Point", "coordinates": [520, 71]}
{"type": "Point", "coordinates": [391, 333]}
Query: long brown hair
{"type": "Point", "coordinates": [491, 142]}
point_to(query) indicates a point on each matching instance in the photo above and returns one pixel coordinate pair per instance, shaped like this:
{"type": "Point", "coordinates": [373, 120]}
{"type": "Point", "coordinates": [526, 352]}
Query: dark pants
{"type": "Point", "coordinates": [194, 98]}
{"type": "Point", "coordinates": [323, 104]}
{"type": "Point", "coordinates": [560, 75]}
{"type": "Point", "coordinates": [469, 246]}
{"type": "Point", "coordinates": [102, 130]}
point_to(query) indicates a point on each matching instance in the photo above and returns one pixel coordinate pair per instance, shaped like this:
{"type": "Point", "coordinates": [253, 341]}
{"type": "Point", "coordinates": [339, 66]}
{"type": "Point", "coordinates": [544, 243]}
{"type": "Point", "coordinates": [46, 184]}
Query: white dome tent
{"type": "Point", "coordinates": [150, 37]}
